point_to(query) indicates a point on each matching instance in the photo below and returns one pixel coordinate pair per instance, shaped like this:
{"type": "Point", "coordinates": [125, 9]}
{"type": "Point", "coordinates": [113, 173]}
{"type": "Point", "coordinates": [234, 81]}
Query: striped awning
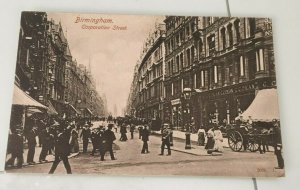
{"type": "Point", "coordinates": [264, 107]}
{"type": "Point", "coordinates": [22, 99]}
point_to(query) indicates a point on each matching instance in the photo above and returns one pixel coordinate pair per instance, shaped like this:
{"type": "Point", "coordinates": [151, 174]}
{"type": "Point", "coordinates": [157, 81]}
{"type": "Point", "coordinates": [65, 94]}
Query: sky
{"type": "Point", "coordinates": [112, 53]}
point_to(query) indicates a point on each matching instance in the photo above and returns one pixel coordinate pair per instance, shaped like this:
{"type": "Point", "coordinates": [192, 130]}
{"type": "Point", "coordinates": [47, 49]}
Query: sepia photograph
{"type": "Point", "coordinates": [140, 95]}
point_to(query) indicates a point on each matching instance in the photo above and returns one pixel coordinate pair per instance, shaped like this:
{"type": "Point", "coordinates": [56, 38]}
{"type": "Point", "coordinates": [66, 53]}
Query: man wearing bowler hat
{"type": "Point", "coordinates": [109, 138]}
{"type": "Point", "coordinates": [62, 148]}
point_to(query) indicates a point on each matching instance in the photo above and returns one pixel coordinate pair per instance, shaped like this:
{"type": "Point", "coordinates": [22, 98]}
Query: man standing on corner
{"type": "Point", "coordinates": [30, 134]}
{"type": "Point", "coordinates": [165, 140]}
{"type": "Point", "coordinates": [145, 139]}
{"type": "Point", "coordinates": [132, 128]}
{"type": "Point", "coordinates": [278, 145]}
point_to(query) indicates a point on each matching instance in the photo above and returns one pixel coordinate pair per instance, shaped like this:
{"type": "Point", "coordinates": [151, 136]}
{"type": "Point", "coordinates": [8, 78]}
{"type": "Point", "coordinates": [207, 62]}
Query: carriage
{"type": "Point", "coordinates": [261, 112]}
{"type": "Point", "coordinates": [248, 137]}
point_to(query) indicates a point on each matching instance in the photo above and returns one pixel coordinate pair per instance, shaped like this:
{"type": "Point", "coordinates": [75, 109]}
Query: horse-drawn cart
{"type": "Point", "coordinates": [261, 113]}
{"type": "Point", "coordinates": [252, 139]}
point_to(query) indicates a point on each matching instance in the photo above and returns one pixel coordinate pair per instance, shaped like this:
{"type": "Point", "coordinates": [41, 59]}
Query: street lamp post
{"type": "Point", "coordinates": [187, 92]}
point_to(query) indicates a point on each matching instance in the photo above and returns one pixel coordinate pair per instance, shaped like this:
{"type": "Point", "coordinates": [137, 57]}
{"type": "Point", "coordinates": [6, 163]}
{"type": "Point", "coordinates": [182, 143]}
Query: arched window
{"type": "Point", "coordinates": [237, 30]}
{"type": "Point", "coordinates": [223, 37]}
{"type": "Point", "coordinates": [252, 26]}
{"type": "Point", "coordinates": [188, 56]}
{"type": "Point", "coordinates": [230, 35]}
{"type": "Point", "coordinates": [181, 60]}
{"type": "Point", "coordinates": [200, 46]}
{"type": "Point", "coordinates": [211, 43]}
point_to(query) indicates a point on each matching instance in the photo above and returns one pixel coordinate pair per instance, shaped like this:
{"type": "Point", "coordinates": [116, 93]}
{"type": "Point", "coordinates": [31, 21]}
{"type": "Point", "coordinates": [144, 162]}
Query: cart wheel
{"type": "Point", "coordinates": [235, 141]}
{"type": "Point", "coordinates": [252, 145]}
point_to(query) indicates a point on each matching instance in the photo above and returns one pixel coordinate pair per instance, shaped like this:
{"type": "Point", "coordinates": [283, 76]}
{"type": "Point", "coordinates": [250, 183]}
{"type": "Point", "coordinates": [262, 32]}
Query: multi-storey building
{"type": "Point", "coordinates": [150, 76]}
{"type": "Point", "coordinates": [46, 70]}
{"type": "Point", "coordinates": [236, 61]}
{"type": "Point", "coordinates": [59, 56]}
{"type": "Point", "coordinates": [180, 57]}
{"type": "Point", "coordinates": [32, 59]}
{"type": "Point", "coordinates": [224, 61]}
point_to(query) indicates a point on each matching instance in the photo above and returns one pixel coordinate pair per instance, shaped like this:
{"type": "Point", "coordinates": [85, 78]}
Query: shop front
{"type": "Point", "coordinates": [176, 112]}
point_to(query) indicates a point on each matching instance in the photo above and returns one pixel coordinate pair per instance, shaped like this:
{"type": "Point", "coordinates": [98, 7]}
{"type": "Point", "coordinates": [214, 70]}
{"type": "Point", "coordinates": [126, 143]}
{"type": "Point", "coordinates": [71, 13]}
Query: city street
{"type": "Point", "coordinates": [131, 162]}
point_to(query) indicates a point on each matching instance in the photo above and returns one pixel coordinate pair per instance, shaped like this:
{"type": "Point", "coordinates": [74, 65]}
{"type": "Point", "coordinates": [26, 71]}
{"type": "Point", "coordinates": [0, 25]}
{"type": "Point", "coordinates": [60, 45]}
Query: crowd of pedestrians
{"type": "Point", "coordinates": [61, 138]}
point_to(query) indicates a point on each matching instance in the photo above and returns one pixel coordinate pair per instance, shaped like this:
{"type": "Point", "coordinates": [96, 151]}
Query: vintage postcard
{"type": "Point", "coordinates": [145, 95]}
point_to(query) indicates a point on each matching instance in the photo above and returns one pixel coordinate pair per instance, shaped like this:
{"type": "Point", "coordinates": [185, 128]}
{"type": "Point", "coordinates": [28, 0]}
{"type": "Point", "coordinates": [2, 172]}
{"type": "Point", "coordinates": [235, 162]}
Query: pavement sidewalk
{"type": "Point", "coordinates": [196, 150]}
{"type": "Point", "coordinates": [194, 137]}
{"type": "Point", "coordinates": [179, 146]}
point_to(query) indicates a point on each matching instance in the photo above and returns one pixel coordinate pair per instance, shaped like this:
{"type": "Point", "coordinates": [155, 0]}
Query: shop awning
{"type": "Point", "coordinates": [74, 109]}
{"type": "Point", "coordinates": [264, 107]}
{"type": "Point", "coordinates": [51, 110]}
{"type": "Point", "coordinates": [23, 99]}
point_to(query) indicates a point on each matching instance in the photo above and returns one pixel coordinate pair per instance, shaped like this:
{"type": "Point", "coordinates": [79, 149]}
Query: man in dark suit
{"type": "Point", "coordinates": [62, 148]}
{"type": "Point", "coordinates": [145, 139]}
{"type": "Point", "coordinates": [109, 138]}
{"type": "Point", "coordinates": [30, 133]}
{"type": "Point", "coordinates": [85, 134]}
{"type": "Point", "coordinates": [46, 145]}
{"type": "Point", "coordinates": [16, 147]}
{"type": "Point", "coordinates": [278, 145]}
{"type": "Point", "coordinates": [165, 138]}
{"type": "Point", "coordinates": [95, 138]}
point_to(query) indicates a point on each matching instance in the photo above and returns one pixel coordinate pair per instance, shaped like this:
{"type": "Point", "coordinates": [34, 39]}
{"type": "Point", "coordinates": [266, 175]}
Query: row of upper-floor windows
{"type": "Point", "coordinates": [171, 24]}
{"type": "Point", "coordinates": [181, 60]}
{"type": "Point", "coordinates": [246, 67]}
{"type": "Point", "coordinates": [182, 36]}
{"type": "Point", "coordinates": [155, 72]}
{"type": "Point", "coordinates": [153, 58]}
{"type": "Point", "coordinates": [155, 91]}
{"type": "Point", "coordinates": [228, 35]}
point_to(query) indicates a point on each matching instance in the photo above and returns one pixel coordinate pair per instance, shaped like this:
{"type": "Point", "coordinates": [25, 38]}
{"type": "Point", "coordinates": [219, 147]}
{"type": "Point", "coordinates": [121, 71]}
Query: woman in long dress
{"type": "Point", "coordinates": [201, 137]}
{"type": "Point", "coordinates": [218, 137]}
{"type": "Point", "coordinates": [210, 141]}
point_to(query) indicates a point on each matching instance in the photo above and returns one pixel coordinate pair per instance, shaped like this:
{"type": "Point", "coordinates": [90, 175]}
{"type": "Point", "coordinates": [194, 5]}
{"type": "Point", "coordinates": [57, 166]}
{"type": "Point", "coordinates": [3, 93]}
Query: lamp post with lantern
{"type": "Point", "coordinates": [187, 93]}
